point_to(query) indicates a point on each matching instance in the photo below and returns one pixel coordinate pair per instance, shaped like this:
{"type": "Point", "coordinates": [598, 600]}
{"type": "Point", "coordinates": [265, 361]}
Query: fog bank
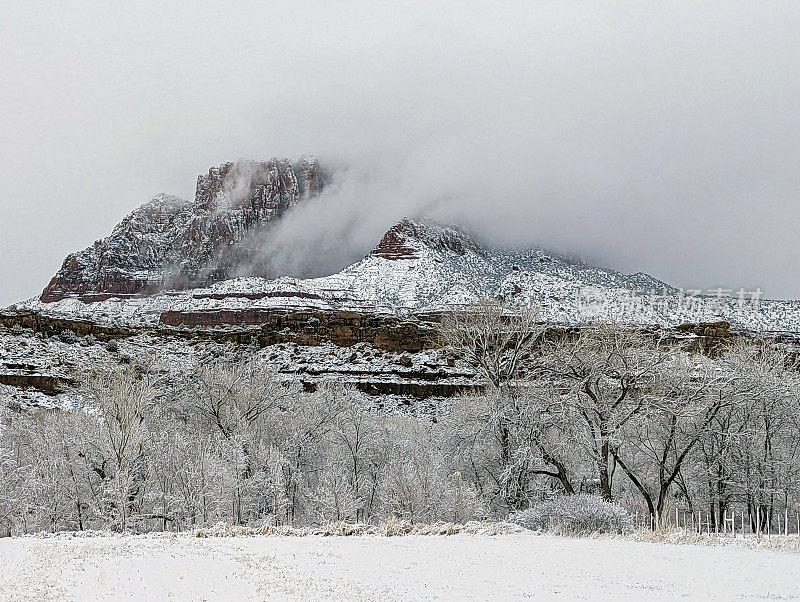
{"type": "Point", "coordinates": [646, 137]}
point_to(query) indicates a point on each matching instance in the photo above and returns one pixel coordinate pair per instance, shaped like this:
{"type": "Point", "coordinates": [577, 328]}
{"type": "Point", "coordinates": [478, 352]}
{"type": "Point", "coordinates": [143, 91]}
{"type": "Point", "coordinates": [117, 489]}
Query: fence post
{"type": "Point", "coordinates": [758, 521]}
{"type": "Point", "coordinates": [769, 523]}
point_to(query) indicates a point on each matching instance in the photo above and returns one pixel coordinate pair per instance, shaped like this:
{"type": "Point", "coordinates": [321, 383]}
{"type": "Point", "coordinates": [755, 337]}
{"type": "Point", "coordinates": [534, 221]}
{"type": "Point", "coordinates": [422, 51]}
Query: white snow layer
{"type": "Point", "coordinates": [460, 567]}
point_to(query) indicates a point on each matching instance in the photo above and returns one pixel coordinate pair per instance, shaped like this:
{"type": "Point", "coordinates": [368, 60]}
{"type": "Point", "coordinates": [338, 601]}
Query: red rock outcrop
{"type": "Point", "coordinates": [172, 243]}
{"type": "Point", "coordinates": [392, 246]}
{"type": "Point", "coordinates": [400, 240]}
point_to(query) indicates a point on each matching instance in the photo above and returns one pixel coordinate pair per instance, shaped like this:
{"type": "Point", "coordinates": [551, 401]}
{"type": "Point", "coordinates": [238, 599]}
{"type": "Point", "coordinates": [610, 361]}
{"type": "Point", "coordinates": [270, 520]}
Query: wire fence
{"type": "Point", "coordinates": [731, 523]}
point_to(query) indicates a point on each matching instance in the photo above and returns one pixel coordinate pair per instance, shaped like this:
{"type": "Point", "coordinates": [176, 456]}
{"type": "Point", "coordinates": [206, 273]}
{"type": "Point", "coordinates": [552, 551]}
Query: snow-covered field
{"type": "Point", "coordinates": [460, 567]}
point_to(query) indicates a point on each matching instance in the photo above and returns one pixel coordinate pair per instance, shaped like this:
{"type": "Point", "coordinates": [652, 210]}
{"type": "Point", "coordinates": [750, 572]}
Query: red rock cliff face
{"type": "Point", "coordinates": [172, 243]}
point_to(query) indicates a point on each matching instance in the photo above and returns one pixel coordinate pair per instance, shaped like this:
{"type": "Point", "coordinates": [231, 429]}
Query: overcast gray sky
{"type": "Point", "coordinates": [654, 136]}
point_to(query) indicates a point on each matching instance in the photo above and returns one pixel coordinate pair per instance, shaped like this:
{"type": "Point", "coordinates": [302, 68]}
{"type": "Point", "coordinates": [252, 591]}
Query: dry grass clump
{"type": "Point", "coordinates": [681, 537]}
{"type": "Point", "coordinates": [393, 527]}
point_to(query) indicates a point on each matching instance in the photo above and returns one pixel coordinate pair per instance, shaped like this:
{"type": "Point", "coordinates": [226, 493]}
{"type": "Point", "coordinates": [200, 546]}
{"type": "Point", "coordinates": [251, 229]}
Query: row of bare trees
{"type": "Point", "coordinates": [235, 445]}
{"type": "Point", "coordinates": [629, 415]}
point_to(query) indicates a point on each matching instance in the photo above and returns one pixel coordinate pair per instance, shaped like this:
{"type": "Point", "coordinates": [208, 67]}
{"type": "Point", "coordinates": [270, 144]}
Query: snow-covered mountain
{"type": "Point", "coordinates": [420, 268]}
{"type": "Point", "coordinates": [172, 243]}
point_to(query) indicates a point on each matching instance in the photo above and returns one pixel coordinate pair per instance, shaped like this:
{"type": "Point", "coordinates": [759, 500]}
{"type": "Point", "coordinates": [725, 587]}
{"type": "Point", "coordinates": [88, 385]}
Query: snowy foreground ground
{"type": "Point", "coordinates": [460, 567]}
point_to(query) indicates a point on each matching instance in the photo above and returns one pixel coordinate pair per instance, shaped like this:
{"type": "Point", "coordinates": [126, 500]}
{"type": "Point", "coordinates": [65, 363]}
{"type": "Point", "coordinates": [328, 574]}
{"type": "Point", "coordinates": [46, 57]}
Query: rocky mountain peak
{"type": "Point", "coordinates": [172, 243]}
{"type": "Point", "coordinates": [262, 186]}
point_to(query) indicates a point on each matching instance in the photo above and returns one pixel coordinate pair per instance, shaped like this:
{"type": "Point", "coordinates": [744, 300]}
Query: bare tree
{"type": "Point", "coordinates": [765, 460]}
{"type": "Point", "coordinates": [676, 413]}
{"type": "Point", "coordinates": [506, 443]}
{"type": "Point", "coordinates": [187, 472]}
{"type": "Point", "coordinates": [493, 340]}
{"type": "Point", "coordinates": [604, 372]}
{"type": "Point", "coordinates": [355, 435]}
{"type": "Point", "coordinates": [122, 396]}
{"type": "Point", "coordinates": [415, 486]}
{"type": "Point", "coordinates": [234, 396]}
{"type": "Point", "coordinates": [334, 498]}
{"type": "Point", "coordinates": [15, 469]}
{"type": "Point", "coordinates": [501, 346]}
{"type": "Point", "coordinates": [304, 429]}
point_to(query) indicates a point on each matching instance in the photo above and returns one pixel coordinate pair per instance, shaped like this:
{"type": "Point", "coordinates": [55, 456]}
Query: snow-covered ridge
{"type": "Point", "coordinates": [420, 267]}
